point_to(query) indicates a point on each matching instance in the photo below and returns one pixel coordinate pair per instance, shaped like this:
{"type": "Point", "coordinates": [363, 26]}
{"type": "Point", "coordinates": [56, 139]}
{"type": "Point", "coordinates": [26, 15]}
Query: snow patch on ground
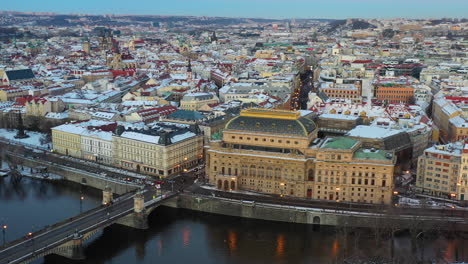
{"type": "Point", "coordinates": [32, 141]}
{"type": "Point", "coordinates": [419, 203]}
{"type": "Point", "coordinates": [242, 192]}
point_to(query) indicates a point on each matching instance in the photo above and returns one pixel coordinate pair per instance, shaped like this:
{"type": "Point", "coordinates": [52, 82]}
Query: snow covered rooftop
{"type": "Point", "coordinates": [140, 137]}
{"type": "Point", "coordinates": [338, 116]}
{"type": "Point", "coordinates": [372, 132]}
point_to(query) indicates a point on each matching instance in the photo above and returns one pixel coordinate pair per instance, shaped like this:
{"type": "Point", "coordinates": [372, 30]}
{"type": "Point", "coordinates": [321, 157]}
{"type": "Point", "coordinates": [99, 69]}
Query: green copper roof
{"type": "Point", "coordinates": [340, 143]}
{"type": "Point", "coordinates": [186, 115]}
{"type": "Point", "coordinates": [375, 155]}
{"type": "Point", "coordinates": [217, 135]}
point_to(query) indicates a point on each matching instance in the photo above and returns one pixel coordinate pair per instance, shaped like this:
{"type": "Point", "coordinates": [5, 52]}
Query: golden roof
{"type": "Point", "coordinates": [271, 113]}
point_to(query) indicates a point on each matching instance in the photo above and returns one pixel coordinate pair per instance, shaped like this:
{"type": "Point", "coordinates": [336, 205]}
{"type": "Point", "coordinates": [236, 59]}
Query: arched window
{"type": "Point", "coordinates": [269, 172]}
{"type": "Point", "coordinates": [261, 171]}
{"type": "Point", "coordinates": [278, 173]}
{"type": "Point", "coordinates": [311, 175]}
{"type": "Point", "coordinates": [253, 171]}
{"type": "Point", "coordinates": [244, 170]}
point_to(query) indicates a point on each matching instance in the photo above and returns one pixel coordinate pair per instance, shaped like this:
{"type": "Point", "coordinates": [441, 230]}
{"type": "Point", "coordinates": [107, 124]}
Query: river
{"type": "Point", "coordinates": [182, 236]}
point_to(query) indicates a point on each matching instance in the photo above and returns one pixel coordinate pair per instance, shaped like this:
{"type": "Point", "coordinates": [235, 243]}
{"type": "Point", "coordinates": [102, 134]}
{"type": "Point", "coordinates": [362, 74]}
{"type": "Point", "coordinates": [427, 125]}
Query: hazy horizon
{"type": "Point", "coordinates": [273, 9]}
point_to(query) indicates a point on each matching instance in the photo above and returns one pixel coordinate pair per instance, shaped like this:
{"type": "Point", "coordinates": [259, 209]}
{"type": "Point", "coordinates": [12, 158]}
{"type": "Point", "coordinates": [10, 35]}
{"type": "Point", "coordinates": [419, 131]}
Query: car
{"type": "Point", "coordinates": [158, 182]}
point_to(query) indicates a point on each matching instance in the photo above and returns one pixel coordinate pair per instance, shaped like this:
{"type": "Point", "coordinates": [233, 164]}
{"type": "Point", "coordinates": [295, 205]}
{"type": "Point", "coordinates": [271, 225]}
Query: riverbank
{"type": "Point", "coordinates": [314, 216]}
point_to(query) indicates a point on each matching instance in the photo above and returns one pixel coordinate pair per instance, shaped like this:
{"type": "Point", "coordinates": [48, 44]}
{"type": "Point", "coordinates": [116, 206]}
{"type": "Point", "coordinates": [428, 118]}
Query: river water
{"type": "Point", "coordinates": [182, 236]}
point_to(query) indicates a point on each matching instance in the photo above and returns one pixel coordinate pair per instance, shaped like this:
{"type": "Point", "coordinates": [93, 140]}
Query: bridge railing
{"type": "Point", "coordinates": [63, 222]}
{"type": "Point", "coordinates": [102, 166]}
{"type": "Point", "coordinates": [104, 222]}
{"type": "Point", "coordinates": [94, 175]}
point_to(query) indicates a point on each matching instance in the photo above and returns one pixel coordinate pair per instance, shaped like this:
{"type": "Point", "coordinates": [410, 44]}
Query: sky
{"type": "Point", "coordinates": [253, 8]}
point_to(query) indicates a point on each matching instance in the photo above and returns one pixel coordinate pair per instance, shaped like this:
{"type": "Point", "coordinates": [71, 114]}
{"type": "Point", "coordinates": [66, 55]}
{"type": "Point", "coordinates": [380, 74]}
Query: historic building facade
{"type": "Point", "coordinates": [167, 150]}
{"type": "Point", "coordinates": [347, 172]}
{"type": "Point", "coordinates": [278, 152]}
{"type": "Point", "coordinates": [443, 171]}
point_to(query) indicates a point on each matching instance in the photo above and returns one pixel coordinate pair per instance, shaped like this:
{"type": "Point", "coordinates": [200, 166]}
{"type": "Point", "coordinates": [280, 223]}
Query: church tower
{"type": "Point", "coordinates": [213, 37]}
{"type": "Point", "coordinates": [189, 71]}
{"type": "Point", "coordinates": [86, 46]}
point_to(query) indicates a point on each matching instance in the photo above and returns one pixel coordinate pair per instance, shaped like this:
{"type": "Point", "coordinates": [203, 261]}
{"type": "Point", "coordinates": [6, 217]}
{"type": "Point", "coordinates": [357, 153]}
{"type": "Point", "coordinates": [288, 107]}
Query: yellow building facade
{"type": "Point", "coordinates": [156, 156]}
{"type": "Point", "coordinates": [195, 101]}
{"type": "Point", "coordinates": [443, 171]}
{"type": "Point", "coordinates": [66, 140]}
{"type": "Point", "coordinates": [277, 152]}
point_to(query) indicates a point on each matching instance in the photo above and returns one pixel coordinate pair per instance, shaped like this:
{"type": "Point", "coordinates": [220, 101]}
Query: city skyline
{"type": "Point", "coordinates": [276, 9]}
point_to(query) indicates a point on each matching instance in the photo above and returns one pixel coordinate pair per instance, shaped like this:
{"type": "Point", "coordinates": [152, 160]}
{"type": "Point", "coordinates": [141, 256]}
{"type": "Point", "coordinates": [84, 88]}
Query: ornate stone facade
{"type": "Point", "coordinates": [278, 152]}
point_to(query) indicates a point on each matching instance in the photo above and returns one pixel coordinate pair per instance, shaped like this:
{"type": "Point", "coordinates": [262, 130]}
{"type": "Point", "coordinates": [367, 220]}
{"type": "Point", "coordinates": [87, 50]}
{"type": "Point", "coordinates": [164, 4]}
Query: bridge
{"type": "Point", "coordinates": [71, 172]}
{"type": "Point", "coordinates": [67, 237]}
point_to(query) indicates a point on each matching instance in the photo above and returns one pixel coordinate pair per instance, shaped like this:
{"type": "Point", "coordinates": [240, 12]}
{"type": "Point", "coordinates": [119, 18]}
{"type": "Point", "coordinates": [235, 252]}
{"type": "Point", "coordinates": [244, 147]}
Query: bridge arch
{"type": "Point", "coordinates": [316, 220]}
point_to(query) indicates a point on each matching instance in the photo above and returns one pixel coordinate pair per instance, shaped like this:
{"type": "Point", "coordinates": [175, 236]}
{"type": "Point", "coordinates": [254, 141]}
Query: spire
{"type": "Point", "coordinates": [213, 37]}
{"type": "Point", "coordinates": [189, 66]}
{"type": "Point", "coordinates": [189, 71]}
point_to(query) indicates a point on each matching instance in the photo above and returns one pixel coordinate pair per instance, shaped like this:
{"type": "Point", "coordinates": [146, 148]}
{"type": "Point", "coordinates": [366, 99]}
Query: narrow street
{"type": "Point", "coordinates": [299, 96]}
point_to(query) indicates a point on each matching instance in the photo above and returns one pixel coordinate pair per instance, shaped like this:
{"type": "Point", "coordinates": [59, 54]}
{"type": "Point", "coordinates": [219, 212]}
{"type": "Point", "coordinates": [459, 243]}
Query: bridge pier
{"type": "Point", "coordinates": [73, 249]}
{"type": "Point", "coordinates": [107, 195]}
{"type": "Point", "coordinates": [139, 218]}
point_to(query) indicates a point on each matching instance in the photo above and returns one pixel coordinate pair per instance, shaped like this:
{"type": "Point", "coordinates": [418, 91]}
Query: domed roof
{"type": "Point", "coordinates": [273, 122]}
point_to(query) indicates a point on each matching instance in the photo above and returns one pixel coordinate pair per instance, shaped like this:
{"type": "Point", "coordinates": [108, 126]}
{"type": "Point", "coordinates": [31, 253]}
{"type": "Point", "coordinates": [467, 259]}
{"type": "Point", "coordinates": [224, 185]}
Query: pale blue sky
{"type": "Point", "coordinates": [253, 8]}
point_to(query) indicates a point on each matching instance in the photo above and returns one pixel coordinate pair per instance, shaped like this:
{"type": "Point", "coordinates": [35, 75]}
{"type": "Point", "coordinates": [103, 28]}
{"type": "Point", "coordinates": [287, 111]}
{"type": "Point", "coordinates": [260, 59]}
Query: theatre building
{"type": "Point", "coordinates": [278, 152]}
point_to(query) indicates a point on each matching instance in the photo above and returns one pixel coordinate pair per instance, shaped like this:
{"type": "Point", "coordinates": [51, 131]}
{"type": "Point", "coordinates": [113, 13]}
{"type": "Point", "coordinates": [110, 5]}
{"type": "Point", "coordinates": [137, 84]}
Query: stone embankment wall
{"type": "Point", "coordinates": [279, 213]}
{"type": "Point", "coordinates": [81, 177]}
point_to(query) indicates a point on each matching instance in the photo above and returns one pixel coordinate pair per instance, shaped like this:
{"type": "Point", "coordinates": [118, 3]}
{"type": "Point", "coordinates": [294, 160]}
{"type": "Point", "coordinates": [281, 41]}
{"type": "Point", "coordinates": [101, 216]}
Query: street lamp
{"type": "Point", "coordinates": [452, 195]}
{"type": "Point", "coordinates": [30, 235]}
{"type": "Point", "coordinates": [81, 203]}
{"type": "Point", "coordinates": [172, 184]}
{"type": "Point", "coordinates": [4, 228]}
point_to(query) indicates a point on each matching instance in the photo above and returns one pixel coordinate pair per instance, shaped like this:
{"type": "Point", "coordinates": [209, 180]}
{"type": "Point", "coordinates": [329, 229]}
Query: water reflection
{"type": "Point", "coordinates": [335, 249]}
{"type": "Point", "coordinates": [160, 246]}
{"type": "Point", "coordinates": [280, 246]}
{"type": "Point", "coordinates": [38, 203]}
{"type": "Point", "coordinates": [186, 236]}
{"type": "Point", "coordinates": [232, 240]}
{"type": "Point", "coordinates": [181, 236]}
